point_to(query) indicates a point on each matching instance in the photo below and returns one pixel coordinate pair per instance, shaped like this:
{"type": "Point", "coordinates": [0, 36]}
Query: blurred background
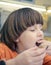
{"type": "Point", "coordinates": [43, 6]}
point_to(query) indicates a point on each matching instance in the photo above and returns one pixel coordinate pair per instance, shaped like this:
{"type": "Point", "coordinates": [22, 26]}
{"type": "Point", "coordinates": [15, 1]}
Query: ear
{"type": "Point", "coordinates": [17, 40]}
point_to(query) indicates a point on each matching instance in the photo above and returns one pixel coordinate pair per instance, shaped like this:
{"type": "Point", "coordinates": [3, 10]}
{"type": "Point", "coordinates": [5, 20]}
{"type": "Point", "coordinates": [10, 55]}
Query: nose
{"type": "Point", "coordinates": [40, 33]}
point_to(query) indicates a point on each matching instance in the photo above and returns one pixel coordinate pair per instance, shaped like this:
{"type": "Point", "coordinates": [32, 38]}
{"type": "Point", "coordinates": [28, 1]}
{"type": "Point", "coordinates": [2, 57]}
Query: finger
{"type": "Point", "coordinates": [37, 52]}
{"type": "Point", "coordinates": [31, 49]}
{"type": "Point", "coordinates": [38, 63]}
{"type": "Point", "coordinates": [38, 58]}
{"type": "Point", "coordinates": [31, 62]}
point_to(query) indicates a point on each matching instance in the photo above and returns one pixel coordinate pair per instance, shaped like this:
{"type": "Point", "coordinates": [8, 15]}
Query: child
{"type": "Point", "coordinates": [20, 35]}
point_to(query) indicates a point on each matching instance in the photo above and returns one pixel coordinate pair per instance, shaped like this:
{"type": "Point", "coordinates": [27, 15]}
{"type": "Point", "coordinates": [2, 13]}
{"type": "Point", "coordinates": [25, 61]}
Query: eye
{"type": "Point", "coordinates": [32, 30]}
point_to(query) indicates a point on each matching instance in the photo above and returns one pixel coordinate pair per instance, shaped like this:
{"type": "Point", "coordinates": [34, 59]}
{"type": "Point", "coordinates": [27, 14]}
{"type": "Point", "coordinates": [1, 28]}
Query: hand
{"type": "Point", "coordinates": [33, 56]}
{"type": "Point", "coordinates": [47, 44]}
{"type": "Point", "coordinates": [49, 47]}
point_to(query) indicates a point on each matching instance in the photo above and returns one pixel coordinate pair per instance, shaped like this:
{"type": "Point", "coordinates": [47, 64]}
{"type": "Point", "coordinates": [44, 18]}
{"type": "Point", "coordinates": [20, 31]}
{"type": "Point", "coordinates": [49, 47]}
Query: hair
{"type": "Point", "coordinates": [16, 23]}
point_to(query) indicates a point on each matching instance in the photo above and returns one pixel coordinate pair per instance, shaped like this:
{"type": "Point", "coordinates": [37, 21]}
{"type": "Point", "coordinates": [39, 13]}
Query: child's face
{"type": "Point", "coordinates": [30, 36]}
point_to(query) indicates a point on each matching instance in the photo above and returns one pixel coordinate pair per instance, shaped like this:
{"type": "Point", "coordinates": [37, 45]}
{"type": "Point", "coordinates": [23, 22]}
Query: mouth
{"type": "Point", "coordinates": [38, 44]}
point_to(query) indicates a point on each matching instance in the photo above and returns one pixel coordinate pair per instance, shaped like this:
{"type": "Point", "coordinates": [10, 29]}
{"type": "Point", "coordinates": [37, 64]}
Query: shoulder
{"type": "Point", "coordinates": [6, 52]}
{"type": "Point", "coordinates": [2, 50]}
{"type": "Point", "coordinates": [2, 46]}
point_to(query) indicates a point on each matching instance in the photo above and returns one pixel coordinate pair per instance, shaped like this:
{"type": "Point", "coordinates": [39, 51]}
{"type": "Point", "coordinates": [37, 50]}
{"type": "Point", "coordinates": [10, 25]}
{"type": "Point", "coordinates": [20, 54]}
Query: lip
{"type": "Point", "coordinates": [40, 40]}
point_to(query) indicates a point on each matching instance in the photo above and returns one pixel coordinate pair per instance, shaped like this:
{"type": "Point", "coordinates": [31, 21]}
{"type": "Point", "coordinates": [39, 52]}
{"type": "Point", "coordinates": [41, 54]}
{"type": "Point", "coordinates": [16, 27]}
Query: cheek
{"type": "Point", "coordinates": [31, 38]}
{"type": "Point", "coordinates": [28, 39]}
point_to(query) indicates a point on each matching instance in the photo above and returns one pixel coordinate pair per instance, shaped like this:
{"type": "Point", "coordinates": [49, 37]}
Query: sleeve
{"type": "Point", "coordinates": [2, 53]}
{"type": "Point", "coordinates": [47, 60]}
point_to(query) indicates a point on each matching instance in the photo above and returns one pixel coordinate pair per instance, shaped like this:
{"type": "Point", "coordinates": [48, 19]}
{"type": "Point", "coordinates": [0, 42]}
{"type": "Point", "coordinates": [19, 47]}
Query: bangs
{"type": "Point", "coordinates": [17, 22]}
{"type": "Point", "coordinates": [27, 18]}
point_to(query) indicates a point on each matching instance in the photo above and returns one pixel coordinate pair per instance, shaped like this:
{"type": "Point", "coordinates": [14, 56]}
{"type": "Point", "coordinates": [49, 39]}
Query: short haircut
{"type": "Point", "coordinates": [16, 23]}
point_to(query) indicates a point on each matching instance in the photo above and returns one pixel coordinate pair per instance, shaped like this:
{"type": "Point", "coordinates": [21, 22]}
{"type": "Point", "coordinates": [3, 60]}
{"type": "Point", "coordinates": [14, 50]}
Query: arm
{"type": "Point", "coordinates": [47, 61]}
{"type": "Point", "coordinates": [28, 57]}
{"type": "Point", "coordinates": [32, 56]}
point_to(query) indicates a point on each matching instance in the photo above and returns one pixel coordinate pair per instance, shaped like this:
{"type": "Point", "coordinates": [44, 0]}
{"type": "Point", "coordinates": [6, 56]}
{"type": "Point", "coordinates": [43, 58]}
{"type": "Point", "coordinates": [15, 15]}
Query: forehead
{"type": "Point", "coordinates": [35, 26]}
